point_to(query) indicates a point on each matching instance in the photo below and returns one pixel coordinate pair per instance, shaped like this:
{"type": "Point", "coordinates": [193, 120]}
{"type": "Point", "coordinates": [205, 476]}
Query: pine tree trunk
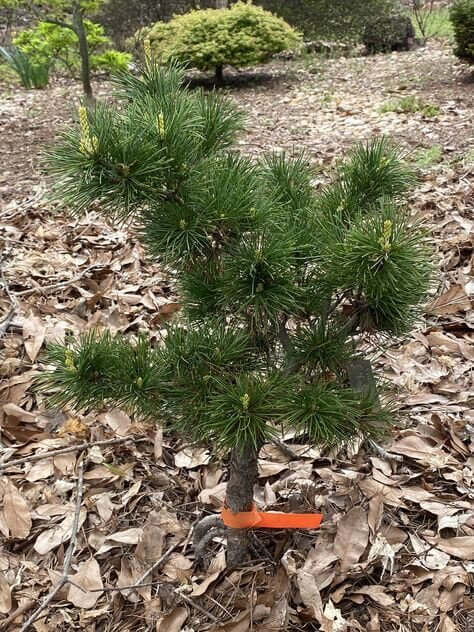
{"type": "Point", "coordinates": [243, 475]}
{"type": "Point", "coordinates": [80, 31]}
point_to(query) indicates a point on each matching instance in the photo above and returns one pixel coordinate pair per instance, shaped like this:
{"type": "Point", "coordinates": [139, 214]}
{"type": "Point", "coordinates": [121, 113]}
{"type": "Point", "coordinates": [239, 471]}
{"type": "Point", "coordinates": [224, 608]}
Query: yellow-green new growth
{"type": "Point", "coordinates": [147, 50]}
{"type": "Point", "coordinates": [88, 143]}
{"type": "Point", "coordinates": [245, 399]}
{"type": "Point", "coordinates": [69, 361]}
{"type": "Point", "coordinates": [160, 124]}
{"type": "Point", "coordinates": [386, 240]}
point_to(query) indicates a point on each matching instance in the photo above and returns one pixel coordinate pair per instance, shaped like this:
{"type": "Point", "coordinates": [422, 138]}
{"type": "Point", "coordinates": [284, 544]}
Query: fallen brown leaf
{"type": "Point", "coordinates": [88, 578]}
{"type": "Point", "coordinates": [172, 622]}
{"type": "Point", "coordinates": [451, 302]}
{"type": "Point", "coordinates": [16, 512]}
{"type": "Point", "coordinates": [352, 537]}
{"type": "Point", "coordinates": [34, 332]}
{"type": "Point", "coordinates": [5, 595]}
{"type": "Point", "coordinates": [461, 547]}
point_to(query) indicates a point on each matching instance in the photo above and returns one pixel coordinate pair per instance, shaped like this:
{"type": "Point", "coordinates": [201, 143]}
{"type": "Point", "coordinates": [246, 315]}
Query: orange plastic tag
{"type": "Point", "coordinates": [269, 519]}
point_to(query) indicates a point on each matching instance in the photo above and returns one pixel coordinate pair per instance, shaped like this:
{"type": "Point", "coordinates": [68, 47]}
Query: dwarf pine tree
{"type": "Point", "coordinates": [280, 285]}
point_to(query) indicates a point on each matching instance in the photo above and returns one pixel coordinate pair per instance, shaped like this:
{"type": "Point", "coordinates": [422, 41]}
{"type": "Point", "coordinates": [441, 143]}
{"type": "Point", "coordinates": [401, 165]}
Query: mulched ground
{"type": "Point", "coordinates": [396, 550]}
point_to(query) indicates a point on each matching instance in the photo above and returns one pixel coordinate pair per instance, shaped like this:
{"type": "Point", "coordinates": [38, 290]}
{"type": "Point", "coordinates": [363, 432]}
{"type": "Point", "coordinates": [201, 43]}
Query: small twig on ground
{"type": "Point", "coordinates": [139, 583]}
{"type": "Point", "coordinates": [158, 562]}
{"type": "Point", "coordinates": [57, 286]}
{"type": "Point", "coordinates": [196, 606]}
{"type": "Point", "coordinates": [69, 553]}
{"type": "Point", "coordinates": [287, 451]}
{"type": "Point", "coordinates": [385, 454]}
{"type": "Point", "coordinates": [229, 614]}
{"type": "Point", "coordinates": [13, 304]}
{"type": "Point", "coordinates": [25, 606]}
{"type": "Point", "coordinates": [72, 448]}
{"type": "Point", "coordinates": [5, 324]}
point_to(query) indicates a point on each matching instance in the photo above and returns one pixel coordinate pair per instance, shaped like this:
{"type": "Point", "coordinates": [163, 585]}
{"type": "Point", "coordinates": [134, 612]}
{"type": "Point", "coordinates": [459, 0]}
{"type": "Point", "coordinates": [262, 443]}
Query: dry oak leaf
{"type": "Point", "coordinates": [88, 578]}
{"type": "Point", "coordinates": [333, 621]}
{"type": "Point", "coordinates": [278, 616]}
{"type": "Point", "coordinates": [447, 625]}
{"type": "Point", "coordinates": [217, 565]}
{"type": "Point", "coordinates": [352, 537]}
{"type": "Point", "coordinates": [377, 593]}
{"type": "Point", "coordinates": [51, 538]}
{"type": "Point", "coordinates": [130, 572]}
{"type": "Point", "coordinates": [178, 567]}
{"type": "Point", "coordinates": [192, 457]}
{"type": "Point", "coordinates": [453, 301]}
{"type": "Point", "coordinates": [422, 450]}
{"type": "Point", "coordinates": [15, 511]}
{"type": "Point", "coordinates": [241, 624]}
{"type": "Point", "coordinates": [5, 595]}
{"type": "Point", "coordinates": [41, 470]}
{"type": "Point", "coordinates": [320, 563]}
{"type": "Point", "coordinates": [172, 622]}
{"type": "Point", "coordinates": [391, 495]}
{"type": "Point", "coordinates": [33, 334]}
{"type": "Point", "coordinates": [461, 547]}
{"type": "Point", "coordinates": [310, 595]}
{"type": "Point", "coordinates": [118, 421]}
{"type": "Point", "coordinates": [427, 556]}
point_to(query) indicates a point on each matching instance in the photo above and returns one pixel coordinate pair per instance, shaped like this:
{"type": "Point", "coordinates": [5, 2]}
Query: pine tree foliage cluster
{"type": "Point", "coordinates": [280, 284]}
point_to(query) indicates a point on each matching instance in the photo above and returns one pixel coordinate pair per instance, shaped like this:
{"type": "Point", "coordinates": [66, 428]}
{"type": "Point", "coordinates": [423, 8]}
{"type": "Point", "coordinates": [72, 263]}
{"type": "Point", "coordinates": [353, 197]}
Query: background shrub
{"type": "Point", "coordinates": [209, 39]}
{"type": "Point", "coordinates": [462, 17]}
{"type": "Point", "coordinates": [330, 19]}
{"type": "Point", "coordinates": [387, 33]}
{"type": "Point", "coordinates": [49, 43]}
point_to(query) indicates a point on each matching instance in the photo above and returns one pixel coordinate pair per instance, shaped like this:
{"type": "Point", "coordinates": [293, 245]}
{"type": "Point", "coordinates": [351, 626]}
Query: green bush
{"type": "Point", "coordinates": [209, 39]}
{"type": "Point", "coordinates": [31, 75]}
{"type": "Point", "coordinates": [386, 33]}
{"type": "Point", "coordinates": [462, 17]}
{"type": "Point", "coordinates": [49, 43]}
{"type": "Point", "coordinates": [330, 19]}
{"type": "Point", "coordinates": [111, 60]}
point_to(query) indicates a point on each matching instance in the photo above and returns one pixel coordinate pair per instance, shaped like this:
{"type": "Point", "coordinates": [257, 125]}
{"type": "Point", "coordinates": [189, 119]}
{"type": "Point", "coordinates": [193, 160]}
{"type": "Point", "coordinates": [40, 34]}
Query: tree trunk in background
{"type": "Point", "coordinates": [219, 76]}
{"type": "Point", "coordinates": [80, 31]}
{"type": "Point", "coordinates": [239, 497]}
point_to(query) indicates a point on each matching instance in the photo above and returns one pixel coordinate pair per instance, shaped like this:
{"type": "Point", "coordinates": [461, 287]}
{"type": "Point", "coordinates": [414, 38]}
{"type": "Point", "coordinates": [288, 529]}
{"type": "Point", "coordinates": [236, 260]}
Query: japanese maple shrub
{"type": "Point", "coordinates": [280, 284]}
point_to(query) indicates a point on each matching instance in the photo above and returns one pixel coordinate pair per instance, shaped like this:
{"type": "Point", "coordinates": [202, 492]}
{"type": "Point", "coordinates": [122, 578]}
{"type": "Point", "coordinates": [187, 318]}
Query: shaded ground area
{"type": "Point", "coordinates": [396, 550]}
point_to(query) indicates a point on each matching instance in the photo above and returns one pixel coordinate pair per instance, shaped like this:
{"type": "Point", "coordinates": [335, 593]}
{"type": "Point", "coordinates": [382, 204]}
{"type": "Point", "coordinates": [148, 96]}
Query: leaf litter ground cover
{"type": "Point", "coordinates": [396, 549]}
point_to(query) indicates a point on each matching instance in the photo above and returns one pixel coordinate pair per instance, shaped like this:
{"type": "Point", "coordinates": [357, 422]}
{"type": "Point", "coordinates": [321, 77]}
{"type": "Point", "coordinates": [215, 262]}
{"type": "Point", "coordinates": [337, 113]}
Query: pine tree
{"type": "Point", "coordinates": [281, 285]}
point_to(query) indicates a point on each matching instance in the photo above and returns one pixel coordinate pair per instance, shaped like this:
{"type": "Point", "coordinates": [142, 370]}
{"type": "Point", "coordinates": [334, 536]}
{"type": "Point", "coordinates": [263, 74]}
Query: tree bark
{"type": "Point", "coordinates": [80, 31]}
{"type": "Point", "coordinates": [243, 475]}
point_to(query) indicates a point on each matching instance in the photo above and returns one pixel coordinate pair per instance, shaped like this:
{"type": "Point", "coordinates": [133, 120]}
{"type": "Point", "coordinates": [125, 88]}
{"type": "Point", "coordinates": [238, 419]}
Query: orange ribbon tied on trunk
{"type": "Point", "coordinates": [269, 519]}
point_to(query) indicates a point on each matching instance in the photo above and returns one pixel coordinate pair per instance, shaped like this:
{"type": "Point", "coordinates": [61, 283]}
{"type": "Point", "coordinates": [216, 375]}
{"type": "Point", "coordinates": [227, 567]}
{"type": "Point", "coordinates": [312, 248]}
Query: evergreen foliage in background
{"type": "Point", "coordinates": [283, 288]}
{"type": "Point", "coordinates": [243, 35]}
{"type": "Point", "coordinates": [343, 20]}
{"type": "Point", "coordinates": [462, 17]}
